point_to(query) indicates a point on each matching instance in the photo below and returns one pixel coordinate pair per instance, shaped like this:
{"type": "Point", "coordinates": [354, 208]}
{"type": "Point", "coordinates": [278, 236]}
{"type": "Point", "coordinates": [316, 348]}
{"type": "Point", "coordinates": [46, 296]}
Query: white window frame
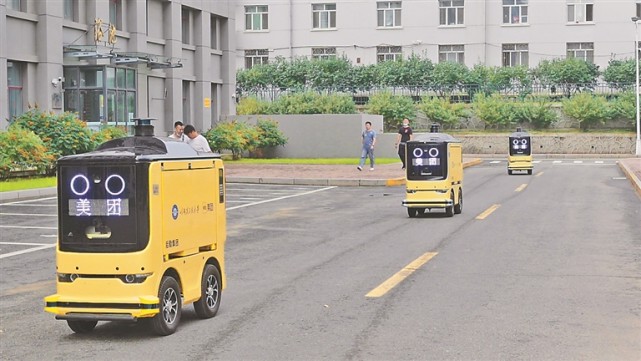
{"type": "Point", "coordinates": [388, 14]}
{"type": "Point", "coordinates": [515, 11]}
{"type": "Point", "coordinates": [324, 53]}
{"type": "Point", "coordinates": [451, 12]}
{"type": "Point", "coordinates": [388, 53]}
{"type": "Point", "coordinates": [584, 51]}
{"type": "Point", "coordinates": [255, 57]}
{"type": "Point", "coordinates": [515, 55]}
{"type": "Point", "coordinates": [256, 17]}
{"type": "Point", "coordinates": [580, 11]}
{"type": "Point", "coordinates": [324, 16]}
{"type": "Point", "coordinates": [452, 52]}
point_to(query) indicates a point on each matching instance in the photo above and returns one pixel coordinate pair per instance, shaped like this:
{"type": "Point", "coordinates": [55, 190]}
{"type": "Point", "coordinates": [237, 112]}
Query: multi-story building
{"type": "Point", "coordinates": [490, 32]}
{"type": "Point", "coordinates": [114, 60]}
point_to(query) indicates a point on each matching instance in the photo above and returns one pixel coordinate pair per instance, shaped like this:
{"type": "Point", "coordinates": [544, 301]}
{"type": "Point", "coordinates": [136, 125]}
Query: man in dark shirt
{"type": "Point", "coordinates": [404, 135]}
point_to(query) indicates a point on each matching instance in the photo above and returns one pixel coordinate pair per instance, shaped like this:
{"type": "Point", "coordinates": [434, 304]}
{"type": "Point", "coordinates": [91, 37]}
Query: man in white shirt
{"type": "Point", "coordinates": [178, 131]}
{"type": "Point", "coordinates": [197, 141]}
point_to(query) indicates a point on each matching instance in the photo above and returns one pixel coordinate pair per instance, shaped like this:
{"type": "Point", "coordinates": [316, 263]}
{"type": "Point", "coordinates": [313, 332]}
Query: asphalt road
{"type": "Point", "coordinates": [541, 267]}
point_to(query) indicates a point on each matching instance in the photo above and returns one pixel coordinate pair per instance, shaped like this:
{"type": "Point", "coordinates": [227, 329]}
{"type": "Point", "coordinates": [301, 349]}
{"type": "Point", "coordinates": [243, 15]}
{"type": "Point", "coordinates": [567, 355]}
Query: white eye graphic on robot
{"type": "Point", "coordinates": [114, 184]}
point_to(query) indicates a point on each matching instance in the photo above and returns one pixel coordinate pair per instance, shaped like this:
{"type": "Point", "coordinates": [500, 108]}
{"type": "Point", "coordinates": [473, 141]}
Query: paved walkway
{"type": "Point", "coordinates": [331, 175]}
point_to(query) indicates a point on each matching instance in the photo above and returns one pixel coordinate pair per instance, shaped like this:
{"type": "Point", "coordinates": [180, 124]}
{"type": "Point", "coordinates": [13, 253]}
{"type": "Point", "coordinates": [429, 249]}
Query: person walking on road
{"type": "Point", "coordinates": [404, 135]}
{"type": "Point", "coordinates": [369, 140]}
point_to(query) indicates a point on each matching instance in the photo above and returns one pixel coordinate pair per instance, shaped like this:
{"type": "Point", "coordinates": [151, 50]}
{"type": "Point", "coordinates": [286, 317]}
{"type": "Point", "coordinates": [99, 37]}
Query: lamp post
{"type": "Point", "coordinates": [636, 57]}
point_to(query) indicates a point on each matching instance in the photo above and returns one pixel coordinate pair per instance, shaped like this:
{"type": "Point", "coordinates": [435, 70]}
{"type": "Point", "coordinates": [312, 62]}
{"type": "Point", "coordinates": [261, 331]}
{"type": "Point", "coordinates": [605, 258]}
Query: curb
{"type": "Point", "coordinates": [636, 183]}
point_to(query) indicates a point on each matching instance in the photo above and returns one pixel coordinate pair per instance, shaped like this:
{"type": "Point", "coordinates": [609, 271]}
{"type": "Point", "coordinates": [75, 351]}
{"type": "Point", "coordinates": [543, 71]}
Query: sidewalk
{"type": "Point", "coordinates": [325, 175]}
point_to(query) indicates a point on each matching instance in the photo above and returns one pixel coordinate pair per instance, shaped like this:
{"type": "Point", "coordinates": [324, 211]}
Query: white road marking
{"type": "Point", "coordinates": [28, 201]}
{"type": "Point", "coordinates": [495, 161]}
{"type": "Point", "coordinates": [279, 198]}
{"type": "Point", "coordinates": [27, 214]}
{"type": "Point", "coordinates": [28, 227]}
{"type": "Point", "coordinates": [28, 250]}
{"type": "Point", "coordinates": [556, 161]}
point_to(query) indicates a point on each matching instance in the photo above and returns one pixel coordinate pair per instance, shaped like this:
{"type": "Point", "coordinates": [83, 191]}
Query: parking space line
{"type": "Point", "coordinates": [28, 227]}
{"type": "Point", "coordinates": [27, 214]}
{"type": "Point", "coordinates": [280, 198]}
{"type": "Point", "coordinates": [28, 250]}
{"type": "Point", "coordinates": [397, 278]}
{"type": "Point", "coordinates": [28, 201]}
{"type": "Point", "coordinates": [521, 187]}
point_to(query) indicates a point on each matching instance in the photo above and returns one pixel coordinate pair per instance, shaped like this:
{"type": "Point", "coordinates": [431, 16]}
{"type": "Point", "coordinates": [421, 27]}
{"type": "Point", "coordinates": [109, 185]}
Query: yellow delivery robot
{"type": "Point", "coordinates": [520, 154]}
{"type": "Point", "coordinates": [434, 175]}
{"type": "Point", "coordinates": [141, 233]}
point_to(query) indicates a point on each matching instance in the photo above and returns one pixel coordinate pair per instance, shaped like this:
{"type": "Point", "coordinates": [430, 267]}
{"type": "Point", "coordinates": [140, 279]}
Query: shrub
{"type": "Point", "coordinates": [393, 108]}
{"type": "Point", "coordinates": [252, 105]}
{"type": "Point", "coordinates": [588, 109]}
{"type": "Point", "coordinates": [62, 134]}
{"type": "Point", "coordinates": [442, 111]}
{"type": "Point", "coordinates": [235, 136]}
{"type": "Point", "coordinates": [22, 149]}
{"type": "Point", "coordinates": [624, 106]}
{"type": "Point", "coordinates": [108, 133]}
{"type": "Point", "coordinates": [269, 135]}
{"type": "Point", "coordinates": [494, 111]}
{"type": "Point", "coordinates": [313, 103]}
{"type": "Point", "coordinates": [536, 111]}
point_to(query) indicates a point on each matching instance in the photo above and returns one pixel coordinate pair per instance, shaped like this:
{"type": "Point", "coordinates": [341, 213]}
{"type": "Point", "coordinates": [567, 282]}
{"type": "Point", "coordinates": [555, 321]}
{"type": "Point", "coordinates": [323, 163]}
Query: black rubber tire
{"type": "Point", "coordinates": [167, 320]}
{"type": "Point", "coordinates": [529, 171]}
{"type": "Point", "coordinates": [458, 207]}
{"type": "Point", "coordinates": [411, 212]}
{"type": "Point", "coordinates": [449, 210]}
{"type": "Point", "coordinates": [210, 285]}
{"type": "Point", "coordinates": [81, 326]}
{"type": "Point", "coordinates": [509, 171]}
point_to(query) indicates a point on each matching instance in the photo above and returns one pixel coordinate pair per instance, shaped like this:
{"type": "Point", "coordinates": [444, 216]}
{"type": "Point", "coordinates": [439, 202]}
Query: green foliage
{"type": "Point", "coordinates": [62, 134]}
{"type": "Point", "coordinates": [624, 106]}
{"type": "Point", "coordinates": [268, 134]}
{"type": "Point", "coordinates": [620, 72]}
{"type": "Point", "coordinates": [235, 136]}
{"type": "Point", "coordinates": [330, 74]}
{"type": "Point", "coordinates": [313, 103]}
{"type": "Point", "coordinates": [22, 149]}
{"type": "Point", "coordinates": [569, 75]}
{"type": "Point", "coordinates": [441, 110]}
{"type": "Point", "coordinates": [448, 76]}
{"type": "Point", "coordinates": [252, 105]}
{"type": "Point", "coordinates": [494, 111]}
{"type": "Point", "coordinates": [108, 133]}
{"type": "Point", "coordinates": [499, 79]}
{"type": "Point", "coordinates": [587, 109]}
{"type": "Point", "coordinates": [393, 108]}
{"type": "Point", "coordinates": [536, 111]}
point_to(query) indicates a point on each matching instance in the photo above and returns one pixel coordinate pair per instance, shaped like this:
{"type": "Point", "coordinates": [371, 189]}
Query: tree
{"type": "Point", "coordinates": [620, 73]}
{"type": "Point", "coordinates": [393, 108]}
{"type": "Point", "coordinates": [448, 76]}
{"type": "Point", "coordinates": [569, 75]}
{"type": "Point", "coordinates": [587, 109]}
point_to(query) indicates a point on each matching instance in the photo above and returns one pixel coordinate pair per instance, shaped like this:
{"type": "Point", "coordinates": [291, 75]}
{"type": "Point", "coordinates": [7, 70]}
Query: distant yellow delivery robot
{"type": "Point", "coordinates": [141, 233]}
{"type": "Point", "coordinates": [434, 174]}
{"type": "Point", "coordinates": [520, 153]}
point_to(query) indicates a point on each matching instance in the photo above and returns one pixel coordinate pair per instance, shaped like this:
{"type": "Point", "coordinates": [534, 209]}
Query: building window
{"type": "Point", "coordinates": [186, 25]}
{"type": "Point", "coordinates": [323, 53]}
{"type": "Point", "coordinates": [214, 32]}
{"type": "Point", "coordinates": [323, 16]}
{"type": "Point", "coordinates": [187, 85]}
{"type": "Point", "coordinates": [515, 55]}
{"type": "Point", "coordinates": [101, 94]}
{"type": "Point", "coordinates": [638, 9]}
{"type": "Point", "coordinates": [388, 53]}
{"type": "Point", "coordinates": [116, 13]}
{"type": "Point", "coordinates": [256, 17]}
{"type": "Point", "coordinates": [71, 10]}
{"type": "Point", "coordinates": [452, 53]}
{"type": "Point", "coordinates": [451, 12]}
{"type": "Point", "coordinates": [580, 11]}
{"type": "Point", "coordinates": [584, 51]}
{"type": "Point", "coordinates": [15, 72]}
{"type": "Point", "coordinates": [389, 14]}
{"type": "Point", "coordinates": [515, 11]}
{"type": "Point", "coordinates": [15, 5]}
{"type": "Point", "coordinates": [256, 57]}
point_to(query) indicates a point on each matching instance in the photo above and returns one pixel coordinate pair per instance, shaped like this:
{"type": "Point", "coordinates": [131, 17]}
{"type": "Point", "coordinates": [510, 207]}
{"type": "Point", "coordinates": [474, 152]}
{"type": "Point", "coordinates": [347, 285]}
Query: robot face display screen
{"type": "Point", "coordinates": [97, 206]}
{"type": "Point", "coordinates": [520, 146]}
{"type": "Point", "coordinates": [427, 161]}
